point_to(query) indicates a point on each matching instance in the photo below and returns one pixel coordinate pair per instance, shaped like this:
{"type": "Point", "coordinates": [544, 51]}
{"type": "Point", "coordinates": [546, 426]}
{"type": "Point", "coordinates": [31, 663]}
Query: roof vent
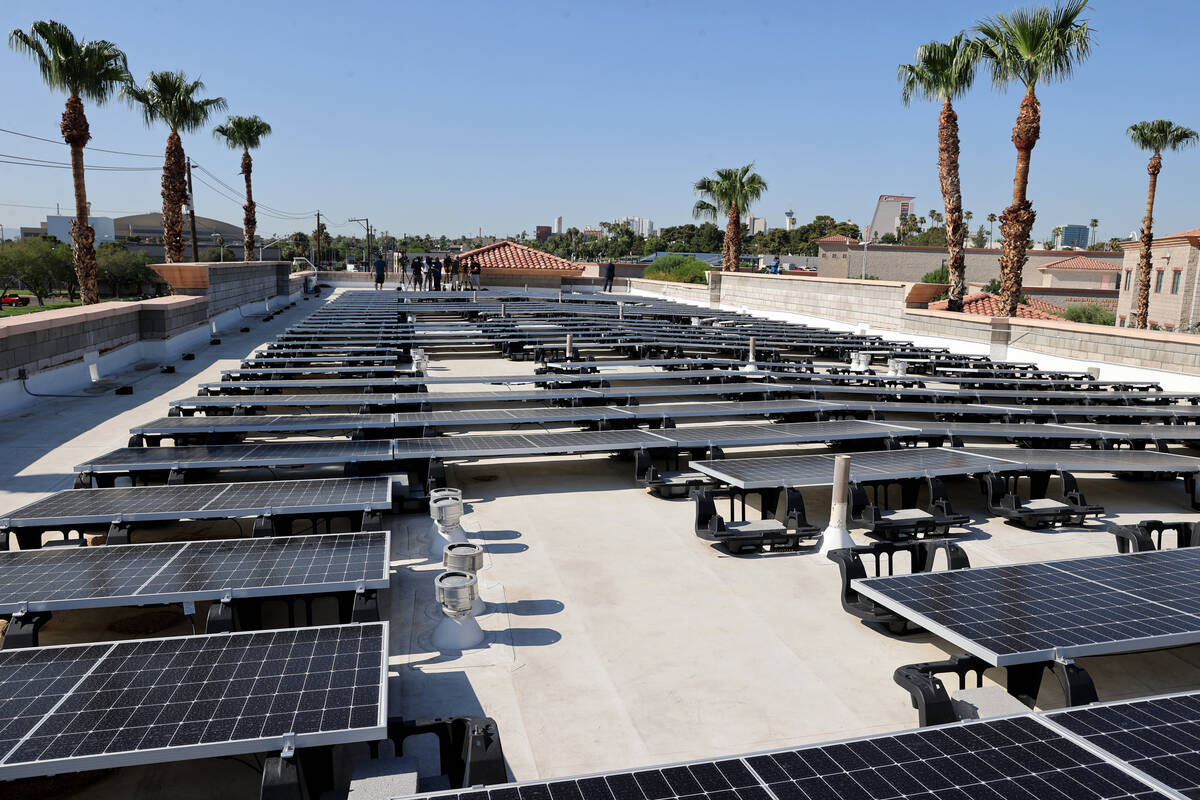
{"type": "Point", "coordinates": [456, 593]}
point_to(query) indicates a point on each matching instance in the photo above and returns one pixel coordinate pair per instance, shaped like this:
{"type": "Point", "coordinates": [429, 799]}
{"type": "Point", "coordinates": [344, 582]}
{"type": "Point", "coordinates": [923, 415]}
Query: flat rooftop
{"type": "Point", "coordinates": [615, 637]}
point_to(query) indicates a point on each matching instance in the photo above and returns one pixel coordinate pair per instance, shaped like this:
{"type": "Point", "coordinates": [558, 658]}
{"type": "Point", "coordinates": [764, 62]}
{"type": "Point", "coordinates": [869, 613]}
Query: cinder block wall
{"type": "Point", "coordinates": [239, 283]}
{"type": "Point", "coordinates": [876, 303]}
{"type": "Point", "coordinates": [46, 339]}
{"type": "Point", "coordinates": [691, 292]}
{"type": "Point", "coordinates": [164, 317]}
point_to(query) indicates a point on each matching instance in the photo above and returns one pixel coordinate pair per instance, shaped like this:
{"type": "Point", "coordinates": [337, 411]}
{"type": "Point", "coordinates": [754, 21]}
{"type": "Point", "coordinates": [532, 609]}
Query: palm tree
{"type": "Point", "coordinates": [1095, 223]}
{"type": "Point", "coordinates": [171, 98]}
{"type": "Point", "coordinates": [246, 133]}
{"type": "Point", "coordinates": [944, 71]}
{"type": "Point", "coordinates": [1057, 232]}
{"type": "Point", "coordinates": [82, 69]}
{"type": "Point", "coordinates": [991, 218]}
{"type": "Point", "coordinates": [1155, 136]}
{"type": "Point", "coordinates": [1028, 46]}
{"type": "Point", "coordinates": [730, 191]}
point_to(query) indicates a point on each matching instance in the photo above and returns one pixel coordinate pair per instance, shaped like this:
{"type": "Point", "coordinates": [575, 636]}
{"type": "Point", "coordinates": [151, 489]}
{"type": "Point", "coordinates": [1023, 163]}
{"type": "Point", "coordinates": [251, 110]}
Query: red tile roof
{"type": "Point", "coordinates": [1084, 263]}
{"type": "Point", "coordinates": [986, 304]}
{"type": "Point", "coordinates": [512, 256]}
{"type": "Point", "coordinates": [837, 238]}
{"type": "Point", "coordinates": [1192, 232]}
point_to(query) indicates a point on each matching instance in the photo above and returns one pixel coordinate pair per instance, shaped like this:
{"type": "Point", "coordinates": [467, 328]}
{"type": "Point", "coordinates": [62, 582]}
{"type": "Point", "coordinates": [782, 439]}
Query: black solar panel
{"type": "Point", "coordinates": [1159, 736]}
{"type": "Point", "coordinates": [279, 422]}
{"type": "Point", "coordinates": [307, 400]}
{"type": "Point", "coordinates": [1020, 757]}
{"type": "Point", "coordinates": [89, 577]}
{"type": "Point", "coordinates": [1022, 613]}
{"type": "Point", "coordinates": [134, 459]}
{"type": "Point", "coordinates": [83, 707]}
{"type": "Point", "coordinates": [202, 501]}
{"type": "Point", "coordinates": [817, 470]}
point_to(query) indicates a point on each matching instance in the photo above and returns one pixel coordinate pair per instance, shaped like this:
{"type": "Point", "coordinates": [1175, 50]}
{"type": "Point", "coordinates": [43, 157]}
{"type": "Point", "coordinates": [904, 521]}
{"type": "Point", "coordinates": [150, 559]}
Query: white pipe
{"type": "Point", "coordinates": [837, 536]}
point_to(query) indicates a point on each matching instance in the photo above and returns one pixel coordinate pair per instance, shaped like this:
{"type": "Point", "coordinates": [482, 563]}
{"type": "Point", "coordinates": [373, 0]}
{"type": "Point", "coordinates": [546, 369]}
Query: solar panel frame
{"type": "Point", "coordinates": [220, 501]}
{"type": "Point", "coordinates": [817, 470]}
{"type": "Point", "coordinates": [264, 423]}
{"type": "Point", "coordinates": [1019, 755]}
{"type": "Point", "coordinates": [110, 667]}
{"type": "Point", "coordinates": [152, 567]}
{"type": "Point", "coordinates": [1148, 622]}
{"type": "Point", "coordinates": [232, 456]}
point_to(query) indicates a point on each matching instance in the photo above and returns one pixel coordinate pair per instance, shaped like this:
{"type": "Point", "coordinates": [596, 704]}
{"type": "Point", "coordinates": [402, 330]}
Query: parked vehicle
{"type": "Point", "coordinates": [13, 300]}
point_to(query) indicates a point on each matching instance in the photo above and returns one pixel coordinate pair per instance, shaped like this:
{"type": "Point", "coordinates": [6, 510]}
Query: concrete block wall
{"type": "Point", "coordinates": [1176, 352]}
{"type": "Point", "coordinates": [689, 292]}
{"type": "Point", "coordinates": [165, 317]}
{"type": "Point", "coordinates": [922, 322]}
{"type": "Point", "coordinates": [237, 284]}
{"type": "Point", "coordinates": [875, 303]}
{"type": "Point", "coordinates": [39, 341]}
{"type": "Point", "coordinates": [295, 281]}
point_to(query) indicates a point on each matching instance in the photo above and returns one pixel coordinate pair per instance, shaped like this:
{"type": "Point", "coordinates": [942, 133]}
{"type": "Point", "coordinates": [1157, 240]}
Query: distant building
{"type": "Point", "coordinates": [1082, 272]}
{"type": "Point", "coordinates": [542, 232]}
{"type": "Point", "coordinates": [843, 257]}
{"type": "Point", "coordinates": [558, 225]}
{"type": "Point", "coordinates": [595, 233]}
{"type": "Point", "coordinates": [790, 217]}
{"type": "Point", "coordinates": [890, 211]}
{"type": "Point", "coordinates": [60, 228]}
{"type": "Point", "coordinates": [756, 225]}
{"type": "Point", "coordinates": [639, 225]}
{"type": "Point", "coordinates": [1174, 281]}
{"type": "Point", "coordinates": [1072, 236]}
{"type": "Point", "coordinates": [144, 226]}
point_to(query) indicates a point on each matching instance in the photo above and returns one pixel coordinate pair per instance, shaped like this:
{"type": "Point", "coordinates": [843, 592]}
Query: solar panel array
{"type": "Point", "coordinates": [1021, 757]}
{"type": "Point", "coordinates": [90, 577]}
{"type": "Point", "coordinates": [202, 501]}
{"type": "Point", "coordinates": [79, 707]}
{"type": "Point", "coordinates": [1026, 613]}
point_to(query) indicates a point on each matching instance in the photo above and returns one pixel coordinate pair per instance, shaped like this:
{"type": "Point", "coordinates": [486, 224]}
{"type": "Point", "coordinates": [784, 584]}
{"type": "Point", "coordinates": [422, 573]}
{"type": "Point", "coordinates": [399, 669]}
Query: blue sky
{"type": "Point", "coordinates": [453, 116]}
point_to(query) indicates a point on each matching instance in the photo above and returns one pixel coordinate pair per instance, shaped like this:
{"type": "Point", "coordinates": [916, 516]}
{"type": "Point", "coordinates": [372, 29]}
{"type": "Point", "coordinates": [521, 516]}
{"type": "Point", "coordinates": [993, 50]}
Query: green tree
{"type": "Point", "coordinates": [731, 192]}
{"type": "Point", "coordinates": [991, 218]}
{"type": "Point", "coordinates": [1095, 223]}
{"type": "Point", "coordinates": [120, 267]}
{"type": "Point", "coordinates": [979, 238]}
{"type": "Point", "coordinates": [170, 97]}
{"type": "Point", "coordinates": [247, 134]}
{"type": "Point", "coordinates": [84, 70]}
{"type": "Point", "coordinates": [40, 263]}
{"type": "Point", "coordinates": [1028, 47]}
{"type": "Point", "coordinates": [1154, 136]}
{"type": "Point", "coordinates": [678, 268]}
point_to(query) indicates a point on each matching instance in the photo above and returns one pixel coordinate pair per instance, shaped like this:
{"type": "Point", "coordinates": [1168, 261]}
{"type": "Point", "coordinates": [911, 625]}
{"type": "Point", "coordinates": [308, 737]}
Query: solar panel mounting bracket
{"type": "Point", "coordinates": [289, 746]}
{"type": "Point", "coordinates": [189, 608]}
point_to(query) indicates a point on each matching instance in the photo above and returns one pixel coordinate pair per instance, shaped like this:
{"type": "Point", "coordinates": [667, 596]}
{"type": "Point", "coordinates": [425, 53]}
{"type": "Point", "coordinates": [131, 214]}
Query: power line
{"type": "Point", "coordinates": [94, 168]}
{"type": "Point", "coordinates": [278, 212]}
{"type": "Point", "coordinates": [96, 149]}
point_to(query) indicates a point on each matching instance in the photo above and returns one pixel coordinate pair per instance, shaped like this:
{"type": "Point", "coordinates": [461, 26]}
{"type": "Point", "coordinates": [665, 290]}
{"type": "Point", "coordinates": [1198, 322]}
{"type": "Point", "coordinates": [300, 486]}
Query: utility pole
{"type": "Point", "coordinates": [192, 214]}
{"type": "Point", "coordinates": [317, 236]}
{"type": "Point", "coordinates": [366, 223]}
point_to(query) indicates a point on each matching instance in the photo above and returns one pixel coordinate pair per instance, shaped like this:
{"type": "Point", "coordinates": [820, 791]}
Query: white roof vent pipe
{"type": "Point", "coordinates": [457, 593]}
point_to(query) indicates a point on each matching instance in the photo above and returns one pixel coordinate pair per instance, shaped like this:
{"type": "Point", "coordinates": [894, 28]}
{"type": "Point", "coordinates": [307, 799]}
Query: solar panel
{"type": "Point", "coordinates": [202, 501]}
{"type": "Point", "coordinates": [817, 470]}
{"type": "Point", "coordinates": [1024, 613]}
{"type": "Point", "coordinates": [1080, 460]}
{"type": "Point", "coordinates": [227, 456]}
{"type": "Point", "coordinates": [305, 400]}
{"type": "Point", "coordinates": [82, 707]}
{"type": "Point", "coordinates": [1017, 757]}
{"type": "Point", "coordinates": [93, 577]}
{"type": "Point", "coordinates": [1157, 735]}
{"type": "Point", "coordinates": [279, 422]}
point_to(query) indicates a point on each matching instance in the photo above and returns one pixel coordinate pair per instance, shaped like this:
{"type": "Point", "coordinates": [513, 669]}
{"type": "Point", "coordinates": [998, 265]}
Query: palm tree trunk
{"type": "Point", "coordinates": [174, 190]}
{"type": "Point", "coordinates": [1142, 317]}
{"type": "Point", "coordinates": [249, 223]}
{"type": "Point", "coordinates": [952, 199]}
{"type": "Point", "coordinates": [1017, 220]}
{"type": "Point", "coordinates": [731, 253]}
{"type": "Point", "coordinates": [76, 133]}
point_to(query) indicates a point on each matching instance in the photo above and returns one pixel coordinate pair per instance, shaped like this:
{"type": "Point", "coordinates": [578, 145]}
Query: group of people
{"type": "Point", "coordinates": [425, 273]}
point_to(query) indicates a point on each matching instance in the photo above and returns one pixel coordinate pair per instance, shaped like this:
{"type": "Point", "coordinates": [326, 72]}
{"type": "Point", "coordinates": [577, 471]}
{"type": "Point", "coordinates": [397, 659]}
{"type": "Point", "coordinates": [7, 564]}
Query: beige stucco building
{"type": "Point", "coordinates": [840, 257]}
{"type": "Point", "coordinates": [1174, 280]}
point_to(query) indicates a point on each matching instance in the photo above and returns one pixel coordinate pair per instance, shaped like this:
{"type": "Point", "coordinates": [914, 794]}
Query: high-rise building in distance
{"type": "Point", "coordinates": [790, 217]}
{"type": "Point", "coordinates": [890, 211]}
{"type": "Point", "coordinates": [558, 228]}
{"type": "Point", "coordinates": [1072, 236]}
{"type": "Point", "coordinates": [639, 225]}
{"type": "Point", "coordinates": [756, 225]}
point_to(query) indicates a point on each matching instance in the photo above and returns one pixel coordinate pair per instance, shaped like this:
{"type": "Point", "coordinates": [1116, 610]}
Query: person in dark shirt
{"type": "Point", "coordinates": [418, 274]}
{"type": "Point", "coordinates": [610, 272]}
{"type": "Point", "coordinates": [380, 270]}
{"type": "Point", "coordinates": [435, 275]}
{"type": "Point", "coordinates": [476, 272]}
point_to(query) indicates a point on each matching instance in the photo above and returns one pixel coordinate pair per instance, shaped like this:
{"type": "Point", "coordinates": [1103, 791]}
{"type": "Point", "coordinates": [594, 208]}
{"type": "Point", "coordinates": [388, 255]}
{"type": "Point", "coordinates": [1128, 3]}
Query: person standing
{"type": "Point", "coordinates": [475, 273]}
{"type": "Point", "coordinates": [610, 272]}
{"type": "Point", "coordinates": [435, 275]}
{"type": "Point", "coordinates": [418, 274]}
{"type": "Point", "coordinates": [380, 270]}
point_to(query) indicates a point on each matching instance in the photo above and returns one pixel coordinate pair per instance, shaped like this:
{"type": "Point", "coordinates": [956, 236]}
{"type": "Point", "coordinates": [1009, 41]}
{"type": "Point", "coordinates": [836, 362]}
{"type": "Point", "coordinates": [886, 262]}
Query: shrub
{"type": "Point", "coordinates": [1090, 313]}
{"type": "Point", "coordinates": [939, 275]}
{"type": "Point", "coordinates": [678, 268]}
